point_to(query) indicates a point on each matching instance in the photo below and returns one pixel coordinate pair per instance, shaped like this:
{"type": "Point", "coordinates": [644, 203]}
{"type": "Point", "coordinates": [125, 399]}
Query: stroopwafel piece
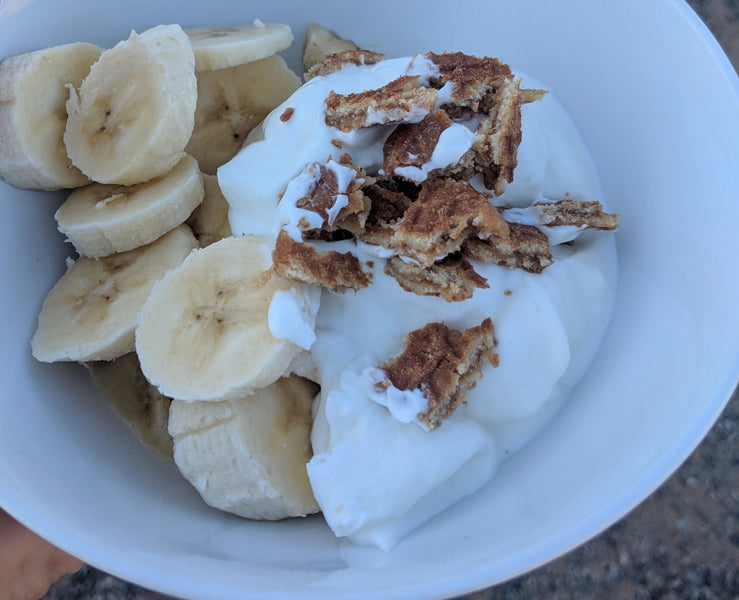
{"type": "Point", "coordinates": [403, 99]}
{"type": "Point", "coordinates": [525, 248]}
{"type": "Point", "coordinates": [443, 363]}
{"type": "Point", "coordinates": [494, 152]}
{"type": "Point", "coordinates": [445, 215]}
{"type": "Point", "coordinates": [388, 203]}
{"type": "Point", "coordinates": [588, 214]}
{"type": "Point", "coordinates": [337, 196]}
{"type": "Point", "coordinates": [452, 278]}
{"type": "Point", "coordinates": [337, 61]}
{"type": "Point", "coordinates": [413, 144]}
{"type": "Point", "coordinates": [474, 80]}
{"type": "Point", "coordinates": [337, 271]}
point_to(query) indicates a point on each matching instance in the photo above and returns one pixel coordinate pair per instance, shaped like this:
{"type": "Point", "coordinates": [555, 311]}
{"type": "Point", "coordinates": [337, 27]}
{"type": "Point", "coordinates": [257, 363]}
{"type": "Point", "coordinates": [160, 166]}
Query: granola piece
{"type": "Point", "coordinates": [445, 215]}
{"type": "Point", "coordinates": [494, 153]}
{"type": "Point", "coordinates": [473, 79]}
{"type": "Point", "coordinates": [444, 363]}
{"type": "Point", "coordinates": [338, 60]}
{"type": "Point", "coordinates": [337, 271]}
{"type": "Point", "coordinates": [413, 144]}
{"type": "Point", "coordinates": [453, 278]}
{"type": "Point", "coordinates": [403, 99]}
{"type": "Point", "coordinates": [526, 248]}
{"type": "Point", "coordinates": [337, 195]}
{"type": "Point", "coordinates": [573, 212]}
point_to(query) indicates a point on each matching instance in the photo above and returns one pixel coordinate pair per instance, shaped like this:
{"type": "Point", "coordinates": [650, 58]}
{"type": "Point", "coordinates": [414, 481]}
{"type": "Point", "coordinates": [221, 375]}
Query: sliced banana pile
{"type": "Point", "coordinates": [166, 309]}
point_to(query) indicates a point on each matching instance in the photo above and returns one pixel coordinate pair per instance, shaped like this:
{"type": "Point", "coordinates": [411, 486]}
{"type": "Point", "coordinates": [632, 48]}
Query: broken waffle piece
{"type": "Point", "coordinates": [412, 144]}
{"type": "Point", "coordinates": [445, 215]}
{"type": "Point", "coordinates": [337, 271]}
{"type": "Point", "coordinates": [388, 203]}
{"type": "Point", "coordinates": [494, 152]}
{"type": "Point", "coordinates": [417, 151]}
{"type": "Point", "coordinates": [325, 198]}
{"type": "Point", "coordinates": [452, 279]}
{"type": "Point", "coordinates": [444, 364]}
{"type": "Point", "coordinates": [336, 194]}
{"type": "Point", "coordinates": [389, 200]}
{"type": "Point", "coordinates": [571, 212]}
{"type": "Point", "coordinates": [402, 100]}
{"type": "Point", "coordinates": [335, 62]}
{"type": "Point", "coordinates": [525, 248]}
{"type": "Point", "coordinates": [473, 81]}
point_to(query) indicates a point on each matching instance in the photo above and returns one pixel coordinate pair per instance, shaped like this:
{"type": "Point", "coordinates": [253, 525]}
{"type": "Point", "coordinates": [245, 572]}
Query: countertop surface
{"type": "Point", "coordinates": [681, 543]}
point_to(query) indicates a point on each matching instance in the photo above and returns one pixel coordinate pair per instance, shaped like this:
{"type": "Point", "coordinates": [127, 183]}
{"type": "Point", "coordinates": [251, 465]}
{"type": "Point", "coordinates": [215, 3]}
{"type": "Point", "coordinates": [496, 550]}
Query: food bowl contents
{"type": "Point", "coordinates": [385, 280]}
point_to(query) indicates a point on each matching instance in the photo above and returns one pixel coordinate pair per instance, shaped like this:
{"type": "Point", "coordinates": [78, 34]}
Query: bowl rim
{"type": "Point", "coordinates": [478, 577]}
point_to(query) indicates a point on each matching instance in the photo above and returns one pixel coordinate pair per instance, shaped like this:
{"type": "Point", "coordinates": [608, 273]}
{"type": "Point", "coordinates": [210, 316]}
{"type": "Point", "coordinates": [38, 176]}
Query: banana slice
{"type": "Point", "coordinates": [91, 312]}
{"type": "Point", "coordinates": [33, 115]}
{"type": "Point", "coordinates": [221, 47]}
{"type": "Point", "coordinates": [204, 334]}
{"type": "Point", "coordinates": [101, 219]}
{"type": "Point", "coordinates": [136, 402]}
{"type": "Point", "coordinates": [209, 221]}
{"type": "Point", "coordinates": [248, 456]}
{"type": "Point", "coordinates": [231, 102]}
{"type": "Point", "coordinates": [134, 112]}
{"type": "Point", "coordinates": [319, 43]}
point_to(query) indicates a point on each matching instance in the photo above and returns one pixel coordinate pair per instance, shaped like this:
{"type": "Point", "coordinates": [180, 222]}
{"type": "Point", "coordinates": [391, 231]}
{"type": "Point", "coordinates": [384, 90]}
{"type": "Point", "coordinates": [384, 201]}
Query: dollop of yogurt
{"type": "Point", "coordinates": [375, 472]}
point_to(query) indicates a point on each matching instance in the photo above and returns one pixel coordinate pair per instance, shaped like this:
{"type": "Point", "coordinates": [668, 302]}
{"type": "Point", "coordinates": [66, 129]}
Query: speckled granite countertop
{"type": "Point", "coordinates": [681, 543]}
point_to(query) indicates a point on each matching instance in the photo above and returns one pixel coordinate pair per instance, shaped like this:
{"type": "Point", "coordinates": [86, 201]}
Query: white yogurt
{"type": "Point", "coordinates": [375, 472]}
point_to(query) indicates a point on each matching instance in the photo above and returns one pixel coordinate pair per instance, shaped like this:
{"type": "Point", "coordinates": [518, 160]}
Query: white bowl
{"type": "Point", "coordinates": [658, 104]}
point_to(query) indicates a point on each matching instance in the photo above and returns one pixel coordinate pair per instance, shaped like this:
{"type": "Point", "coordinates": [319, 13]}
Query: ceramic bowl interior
{"type": "Point", "coordinates": [658, 104]}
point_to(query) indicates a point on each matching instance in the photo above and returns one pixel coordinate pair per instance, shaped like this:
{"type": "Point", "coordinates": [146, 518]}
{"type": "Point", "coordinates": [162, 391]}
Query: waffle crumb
{"type": "Point", "coordinates": [388, 203]}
